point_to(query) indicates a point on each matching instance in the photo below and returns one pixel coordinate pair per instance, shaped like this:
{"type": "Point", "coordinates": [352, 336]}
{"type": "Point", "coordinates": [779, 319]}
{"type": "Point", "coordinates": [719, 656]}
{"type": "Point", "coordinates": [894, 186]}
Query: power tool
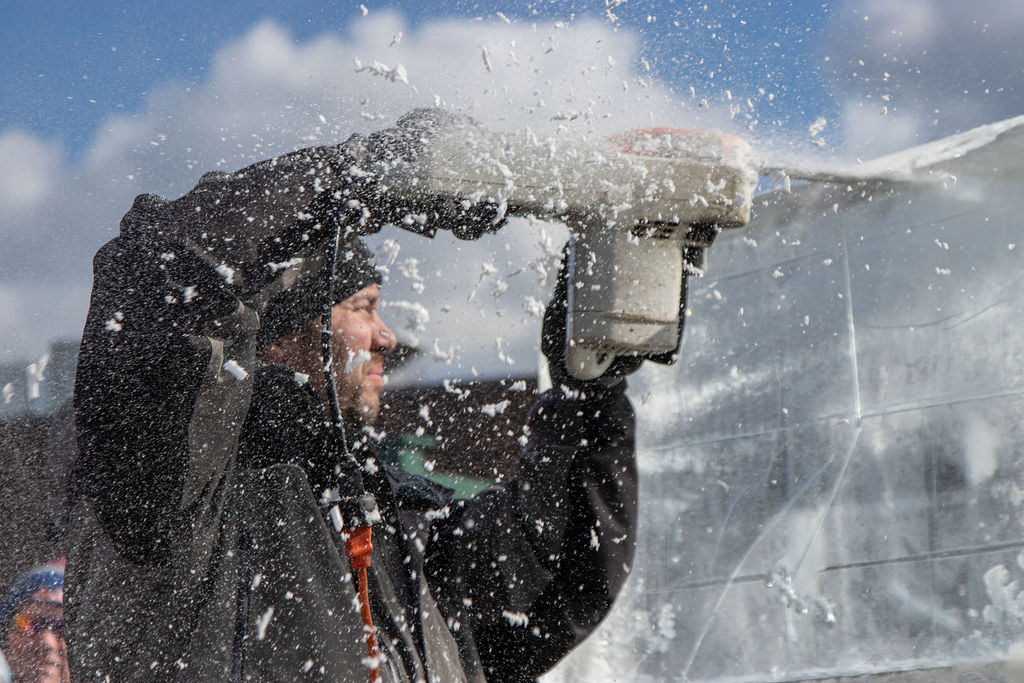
{"type": "Point", "coordinates": [642, 207]}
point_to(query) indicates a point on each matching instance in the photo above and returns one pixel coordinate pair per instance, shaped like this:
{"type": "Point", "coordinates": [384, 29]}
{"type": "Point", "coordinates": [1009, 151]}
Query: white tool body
{"type": "Point", "coordinates": [633, 202]}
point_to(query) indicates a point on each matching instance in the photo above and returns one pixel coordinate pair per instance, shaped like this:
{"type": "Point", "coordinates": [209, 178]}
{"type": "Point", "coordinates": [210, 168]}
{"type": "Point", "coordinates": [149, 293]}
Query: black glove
{"type": "Point", "coordinates": [554, 338]}
{"type": "Point", "coordinates": [394, 151]}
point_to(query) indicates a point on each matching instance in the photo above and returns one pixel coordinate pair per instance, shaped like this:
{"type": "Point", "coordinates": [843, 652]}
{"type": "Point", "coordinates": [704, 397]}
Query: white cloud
{"type": "Point", "coordinates": [909, 24]}
{"type": "Point", "coordinates": [913, 71]}
{"type": "Point", "coordinates": [901, 76]}
{"type": "Point", "coordinates": [267, 94]}
{"type": "Point", "coordinates": [33, 313]}
{"type": "Point", "coordinates": [29, 173]}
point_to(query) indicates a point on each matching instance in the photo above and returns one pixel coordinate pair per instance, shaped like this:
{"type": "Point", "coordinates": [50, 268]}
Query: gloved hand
{"type": "Point", "coordinates": [554, 337]}
{"type": "Point", "coordinates": [391, 154]}
{"type": "Point", "coordinates": [248, 225]}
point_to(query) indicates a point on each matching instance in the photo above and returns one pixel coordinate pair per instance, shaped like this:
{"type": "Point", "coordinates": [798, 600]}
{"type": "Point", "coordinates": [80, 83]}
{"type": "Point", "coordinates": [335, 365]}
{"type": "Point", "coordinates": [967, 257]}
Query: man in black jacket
{"type": "Point", "coordinates": [204, 540]}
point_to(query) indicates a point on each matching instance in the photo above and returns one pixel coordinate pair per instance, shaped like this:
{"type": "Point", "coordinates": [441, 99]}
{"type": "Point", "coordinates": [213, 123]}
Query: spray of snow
{"type": "Point", "coordinates": [113, 324]}
{"type": "Point", "coordinates": [415, 316]}
{"type": "Point", "coordinates": [492, 409]}
{"type": "Point", "coordinates": [263, 622]}
{"type": "Point", "coordinates": [357, 359]}
{"type": "Point", "coordinates": [445, 356]}
{"type": "Point", "coordinates": [520, 619]}
{"type": "Point", "coordinates": [396, 74]}
{"type": "Point", "coordinates": [35, 374]}
{"type": "Point", "coordinates": [387, 251]}
{"type": "Point", "coordinates": [284, 265]}
{"type": "Point", "coordinates": [226, 272]}
{"type": "Point", "coordinates": [534, 306]}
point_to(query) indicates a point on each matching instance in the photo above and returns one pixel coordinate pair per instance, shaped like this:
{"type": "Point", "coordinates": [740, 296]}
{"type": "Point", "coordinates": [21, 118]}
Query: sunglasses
{"type": "Point", "coordinates": [34, 626]}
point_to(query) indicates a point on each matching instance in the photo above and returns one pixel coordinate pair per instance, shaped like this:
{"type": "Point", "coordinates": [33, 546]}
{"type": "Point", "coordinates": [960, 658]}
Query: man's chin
{"type": "Point", "coordinates": [366, 412]}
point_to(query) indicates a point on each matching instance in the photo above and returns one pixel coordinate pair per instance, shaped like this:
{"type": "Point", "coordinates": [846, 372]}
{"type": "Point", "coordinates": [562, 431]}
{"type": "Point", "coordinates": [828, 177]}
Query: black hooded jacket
{"type": "Point", "coordinates": [199, 550]}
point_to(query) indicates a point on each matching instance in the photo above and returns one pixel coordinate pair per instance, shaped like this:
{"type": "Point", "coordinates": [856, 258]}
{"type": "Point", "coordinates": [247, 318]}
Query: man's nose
{"type": "Point", "coordinates": [384, 339]}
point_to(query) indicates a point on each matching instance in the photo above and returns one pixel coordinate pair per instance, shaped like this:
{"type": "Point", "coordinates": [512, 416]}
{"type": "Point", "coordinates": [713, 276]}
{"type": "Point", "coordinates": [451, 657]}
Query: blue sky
{"type": "Point", "coordinates": [102, 101]}
{"type": "Point", "coordinates": [67, 64]}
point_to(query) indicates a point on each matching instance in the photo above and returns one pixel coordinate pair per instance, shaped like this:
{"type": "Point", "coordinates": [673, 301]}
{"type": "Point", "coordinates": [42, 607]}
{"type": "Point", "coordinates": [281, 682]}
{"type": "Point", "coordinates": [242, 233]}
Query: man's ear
{"type": "Point", "coordinates": [274, 354]}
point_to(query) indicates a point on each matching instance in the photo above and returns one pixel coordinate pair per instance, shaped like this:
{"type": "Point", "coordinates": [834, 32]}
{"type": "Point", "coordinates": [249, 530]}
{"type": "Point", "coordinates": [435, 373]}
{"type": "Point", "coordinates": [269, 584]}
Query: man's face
{"type": "Point", "coordinates": [35, 649]}
{"type": "Point", "coordinates": [360, 341]}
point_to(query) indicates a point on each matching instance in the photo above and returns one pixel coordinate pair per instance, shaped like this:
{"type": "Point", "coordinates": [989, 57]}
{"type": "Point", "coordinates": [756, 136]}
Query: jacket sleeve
{"type": "Point", "coordinates": [163, 380]}
{"type": "Point", "coordinates": [162, 387]}
{"type": "Point", "coordinates": [528, 570]}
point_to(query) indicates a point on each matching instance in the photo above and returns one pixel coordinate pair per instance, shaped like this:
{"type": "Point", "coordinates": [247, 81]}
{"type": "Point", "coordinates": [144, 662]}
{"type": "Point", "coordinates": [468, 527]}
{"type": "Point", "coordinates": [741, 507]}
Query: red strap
{"type": "Point", "coordinates": [359, 547]}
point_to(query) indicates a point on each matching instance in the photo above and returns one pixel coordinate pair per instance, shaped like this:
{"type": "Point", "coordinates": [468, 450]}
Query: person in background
{"type": "Point", "coordinates": [32, 627]}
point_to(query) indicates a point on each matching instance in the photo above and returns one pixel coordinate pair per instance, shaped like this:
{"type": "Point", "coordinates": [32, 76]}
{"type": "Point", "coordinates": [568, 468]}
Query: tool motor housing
{"type": "Point", "coordinates": [635, 203]}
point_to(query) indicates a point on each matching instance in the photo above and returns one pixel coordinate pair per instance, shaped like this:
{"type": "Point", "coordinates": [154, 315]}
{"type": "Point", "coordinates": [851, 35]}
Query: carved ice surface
{"type": "Point", "coordinates": [831, 473]}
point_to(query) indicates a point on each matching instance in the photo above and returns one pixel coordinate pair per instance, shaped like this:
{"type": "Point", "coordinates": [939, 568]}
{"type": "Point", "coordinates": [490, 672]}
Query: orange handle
{"type": "Point", "coordinates": [359, 547]}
